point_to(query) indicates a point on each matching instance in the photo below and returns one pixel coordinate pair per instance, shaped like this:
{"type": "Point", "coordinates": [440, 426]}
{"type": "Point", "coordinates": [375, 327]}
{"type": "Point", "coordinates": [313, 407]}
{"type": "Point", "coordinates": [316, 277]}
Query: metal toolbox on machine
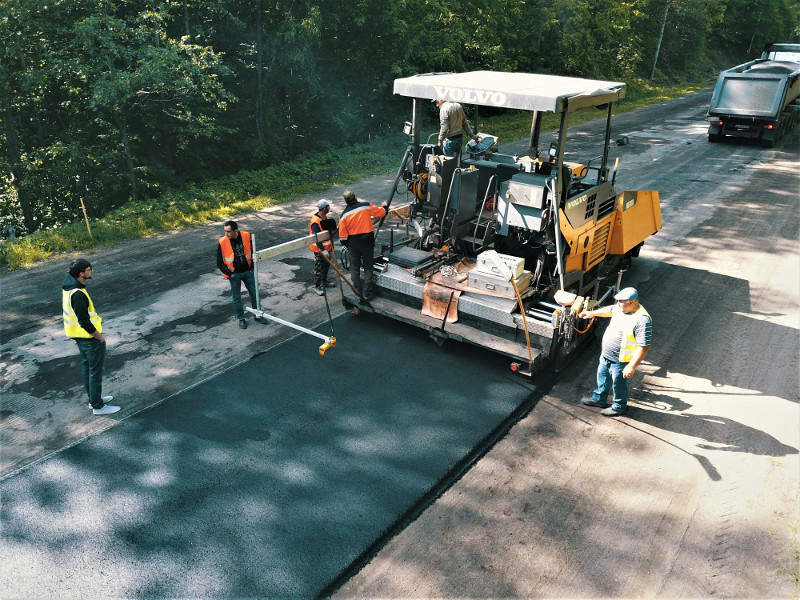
{"type": "Point", "coordinates": [497, 285]}
{"type": "Point", "coordinates": [514, 264]}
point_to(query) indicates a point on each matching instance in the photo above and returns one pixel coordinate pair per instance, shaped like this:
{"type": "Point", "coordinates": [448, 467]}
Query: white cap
{"type": "Point", "coordinates": [322, 204]}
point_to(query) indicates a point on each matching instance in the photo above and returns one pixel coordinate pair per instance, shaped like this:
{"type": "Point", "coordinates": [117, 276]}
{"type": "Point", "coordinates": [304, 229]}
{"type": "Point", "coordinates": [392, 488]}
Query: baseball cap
{"type": "Point", "coordinates": [322, 204]}
{"type": "Point", "coordinates": [627, 293]}
{"type": "Point", "coordinates": [349, 195]}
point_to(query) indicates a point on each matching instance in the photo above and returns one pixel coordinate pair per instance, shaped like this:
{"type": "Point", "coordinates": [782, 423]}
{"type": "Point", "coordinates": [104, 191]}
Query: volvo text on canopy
{"type": "Point", "coordinates": [504, 251]}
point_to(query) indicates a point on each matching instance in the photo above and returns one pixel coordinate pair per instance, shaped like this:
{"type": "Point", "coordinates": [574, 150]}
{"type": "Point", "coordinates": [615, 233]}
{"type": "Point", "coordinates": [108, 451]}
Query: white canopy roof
{"type": "Point", "coordinates": [525, 91]}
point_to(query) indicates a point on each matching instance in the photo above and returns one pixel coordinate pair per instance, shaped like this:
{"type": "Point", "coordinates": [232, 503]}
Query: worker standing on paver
{"type": "Point", "coordinates": [235, 261]}
{"type": "Point", "coordinates": [626, 342]}
{"type": "Point", "coordinates": [84, 325]}
{"type": "Point", "coordinates": [320, 221]}
{"type": "Point", "coordinates": [453, 125]}
{"type": "Point", "coordinates": [358, 235]}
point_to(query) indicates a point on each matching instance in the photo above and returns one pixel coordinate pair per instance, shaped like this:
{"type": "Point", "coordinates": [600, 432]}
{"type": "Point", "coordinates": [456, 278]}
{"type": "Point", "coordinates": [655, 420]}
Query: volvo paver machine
{"type": "Point", "coordinates": [505, 250]}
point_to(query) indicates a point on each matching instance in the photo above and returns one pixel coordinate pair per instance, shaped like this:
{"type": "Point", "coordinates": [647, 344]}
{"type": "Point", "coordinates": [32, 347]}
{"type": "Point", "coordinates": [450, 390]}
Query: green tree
{"type": "Point", "coordinates": [144, 82]}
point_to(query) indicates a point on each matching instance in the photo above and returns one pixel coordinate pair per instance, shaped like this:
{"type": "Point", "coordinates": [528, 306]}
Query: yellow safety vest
{"type": "Point", "coordinates": [72, 328]}
{"type": "Point", "coordinates": [627, 323]}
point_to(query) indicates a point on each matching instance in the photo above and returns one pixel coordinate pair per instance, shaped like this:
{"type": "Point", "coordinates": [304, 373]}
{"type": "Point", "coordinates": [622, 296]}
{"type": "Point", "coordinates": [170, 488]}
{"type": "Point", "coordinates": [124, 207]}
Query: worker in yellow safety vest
{"type": "Point", "coordinates": [626, 342]}
{"type": "Point", "coordinates": [84, 325]}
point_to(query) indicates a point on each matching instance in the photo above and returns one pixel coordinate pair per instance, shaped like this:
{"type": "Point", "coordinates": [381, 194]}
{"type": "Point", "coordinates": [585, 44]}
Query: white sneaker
{"type": "Point", "coordinates": [106, 410]}
{"type": "Point", "coordinates": [105, 399]}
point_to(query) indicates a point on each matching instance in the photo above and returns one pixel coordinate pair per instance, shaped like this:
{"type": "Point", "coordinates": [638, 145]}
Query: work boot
{"type": "Point", "coordinates": [242, 324]}
{"type": "Point", "coordinates": [367, 295]}
{"type": "Point", "coordinates": [593, 402]}
{"type": "Point", "coordinates": [319, 291]}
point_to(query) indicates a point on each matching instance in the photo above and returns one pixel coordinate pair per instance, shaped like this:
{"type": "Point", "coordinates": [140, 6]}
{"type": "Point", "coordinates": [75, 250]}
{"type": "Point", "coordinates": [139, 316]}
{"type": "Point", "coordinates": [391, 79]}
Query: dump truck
{"type": "Point", "coordinates": [504, 251]}
{"type": "Point", "coordinates": [759, 99]}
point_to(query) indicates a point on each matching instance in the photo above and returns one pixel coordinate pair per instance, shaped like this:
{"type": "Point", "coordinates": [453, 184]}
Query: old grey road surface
{"type": "Point", "coordinates": [244, 465]}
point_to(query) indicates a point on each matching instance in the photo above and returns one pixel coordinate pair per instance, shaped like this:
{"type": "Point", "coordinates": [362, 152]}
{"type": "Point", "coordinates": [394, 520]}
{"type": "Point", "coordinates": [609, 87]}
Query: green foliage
{"type": "Point", "coordinates": [105, 101]}
{"type": "Point", "coordinates": [216, 200]}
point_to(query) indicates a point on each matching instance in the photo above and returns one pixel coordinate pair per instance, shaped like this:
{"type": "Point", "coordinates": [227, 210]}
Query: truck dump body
{"type": "Point", "coordinates": [755, 99]}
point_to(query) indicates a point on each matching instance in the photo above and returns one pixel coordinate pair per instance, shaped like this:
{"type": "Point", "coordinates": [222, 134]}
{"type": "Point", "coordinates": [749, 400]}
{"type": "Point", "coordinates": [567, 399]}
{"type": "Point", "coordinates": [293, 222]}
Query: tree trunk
{"type": "Point", "coordinates": [660, 37]}
{"type": "Point", "coordinates": [119, 118]}
{"type": "Point", "coordinates": [753, 37]}
{"type": "Point", "coordinates": [259, 74]}
{"type": "Point", "coordinates": [15, 158]}
{"type": "Point", "coordinates": [186, 18]}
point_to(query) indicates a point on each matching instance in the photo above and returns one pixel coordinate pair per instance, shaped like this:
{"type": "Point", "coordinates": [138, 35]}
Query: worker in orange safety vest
{"type": "Point", "coordinates": [320, 221]}
{"type": "Point", "coordinates": [235, 261]}
{"type": "Point", "coordinates": [358, 236]}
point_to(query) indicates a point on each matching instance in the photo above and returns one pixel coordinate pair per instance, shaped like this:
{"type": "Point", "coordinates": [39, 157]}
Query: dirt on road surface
{"type": "Point", "coordinates": [693, 493]}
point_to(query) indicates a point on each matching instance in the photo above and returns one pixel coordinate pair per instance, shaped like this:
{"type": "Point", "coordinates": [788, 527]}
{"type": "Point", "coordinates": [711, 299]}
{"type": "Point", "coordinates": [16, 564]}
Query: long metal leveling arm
{"type": "Point", "coordinates": [329, 341]}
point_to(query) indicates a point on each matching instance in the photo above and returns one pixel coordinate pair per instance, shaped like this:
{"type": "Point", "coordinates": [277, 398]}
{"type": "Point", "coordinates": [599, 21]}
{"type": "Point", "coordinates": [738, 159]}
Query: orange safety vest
{"type": "Point", "coordinates": [316, 220]}
{"type": "Point", "coordinates": [227, 250]}
{"type": "Point", "coordinates": [357, 219]}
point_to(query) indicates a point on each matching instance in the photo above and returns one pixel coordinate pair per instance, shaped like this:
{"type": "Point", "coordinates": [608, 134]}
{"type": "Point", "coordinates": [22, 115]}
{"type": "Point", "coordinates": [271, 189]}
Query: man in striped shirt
{"type": "Point", "coordinates": [626, 342]}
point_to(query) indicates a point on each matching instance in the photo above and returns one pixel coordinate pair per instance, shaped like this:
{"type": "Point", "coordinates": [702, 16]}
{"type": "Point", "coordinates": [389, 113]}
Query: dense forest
{"type": "Point", "coordinates": [102, 101]}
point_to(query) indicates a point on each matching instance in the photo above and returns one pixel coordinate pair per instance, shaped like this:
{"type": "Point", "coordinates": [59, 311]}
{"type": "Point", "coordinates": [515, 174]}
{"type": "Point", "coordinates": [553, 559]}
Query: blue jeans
{"type": "Point", "coordinates": [93, 365]}
{"type": "Point", "coordinates": [236, 291]}
{"type": "Point", "coordinates": [452, 146]}
{"type": "Point", "coordinates": [609, 375]}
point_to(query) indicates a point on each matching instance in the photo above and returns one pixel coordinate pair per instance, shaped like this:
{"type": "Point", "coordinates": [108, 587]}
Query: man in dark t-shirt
{"type": "Point", "coordinates": [235, 262]}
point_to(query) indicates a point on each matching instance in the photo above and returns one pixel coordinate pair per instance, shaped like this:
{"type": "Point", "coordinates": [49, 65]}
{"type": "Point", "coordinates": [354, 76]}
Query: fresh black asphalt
{"type": "Point", "coordinates": [266, 481]}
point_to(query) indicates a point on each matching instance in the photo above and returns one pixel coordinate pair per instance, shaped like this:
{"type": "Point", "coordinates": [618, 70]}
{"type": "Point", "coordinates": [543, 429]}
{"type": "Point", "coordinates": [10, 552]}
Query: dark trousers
{"type": "Point", "coordinates": [361, 255]}
{"type": "Point", "coordinates": [93, 364]}
{"type": "Point", "coordinates": [452, 146]}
